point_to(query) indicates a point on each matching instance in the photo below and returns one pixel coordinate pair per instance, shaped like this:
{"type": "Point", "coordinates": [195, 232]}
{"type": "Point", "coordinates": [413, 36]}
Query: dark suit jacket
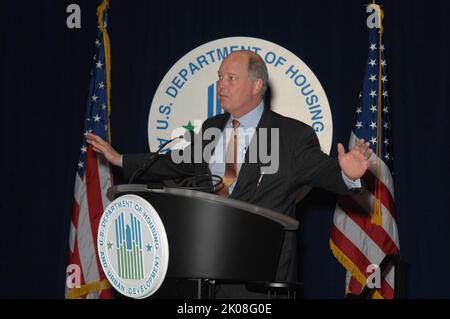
{"type": "Point", "coordinates": [301, 162]}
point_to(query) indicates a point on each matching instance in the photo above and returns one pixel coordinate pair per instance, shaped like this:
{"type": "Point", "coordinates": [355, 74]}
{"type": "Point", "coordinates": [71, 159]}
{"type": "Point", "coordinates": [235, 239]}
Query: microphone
{"type": "Point", "coordinates": [151, 159]}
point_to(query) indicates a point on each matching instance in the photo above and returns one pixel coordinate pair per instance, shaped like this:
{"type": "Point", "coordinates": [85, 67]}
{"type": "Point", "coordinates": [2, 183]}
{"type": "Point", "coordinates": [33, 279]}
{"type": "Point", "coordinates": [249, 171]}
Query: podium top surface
{"type": "Point", "coordinates": [288, 223]}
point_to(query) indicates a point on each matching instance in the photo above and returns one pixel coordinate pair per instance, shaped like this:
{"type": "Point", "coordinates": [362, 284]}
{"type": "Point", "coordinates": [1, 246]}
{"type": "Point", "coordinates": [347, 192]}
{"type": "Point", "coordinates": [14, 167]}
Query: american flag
{"type": "Point", "coordinates": [93, 176]}
{"type": "Point", "coordinates": [365, 228]}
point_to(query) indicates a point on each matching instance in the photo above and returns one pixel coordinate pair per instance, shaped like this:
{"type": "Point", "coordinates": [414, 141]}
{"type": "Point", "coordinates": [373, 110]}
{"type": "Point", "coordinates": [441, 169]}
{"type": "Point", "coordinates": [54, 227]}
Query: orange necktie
{"type": "Point", "coordinates": [230, 162]}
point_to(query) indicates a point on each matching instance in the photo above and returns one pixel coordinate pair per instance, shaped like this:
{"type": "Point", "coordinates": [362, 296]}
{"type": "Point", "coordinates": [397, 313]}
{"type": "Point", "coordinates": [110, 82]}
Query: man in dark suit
{"type": "Point", "coordinates": [296, 157]}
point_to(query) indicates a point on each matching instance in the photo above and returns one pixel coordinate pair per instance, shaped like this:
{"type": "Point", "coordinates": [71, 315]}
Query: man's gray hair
{"type": "Point", "coordinates": [257, 69]}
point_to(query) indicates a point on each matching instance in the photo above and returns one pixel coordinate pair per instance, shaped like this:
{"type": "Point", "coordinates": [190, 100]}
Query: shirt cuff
{"type": "Point", "coordinates": [351, 184]}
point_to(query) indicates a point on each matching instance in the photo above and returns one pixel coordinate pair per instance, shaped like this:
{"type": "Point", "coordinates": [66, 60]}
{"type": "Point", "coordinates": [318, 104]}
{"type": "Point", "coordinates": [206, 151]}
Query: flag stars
{"type": "Point", "coordinates": [386, 109]}
{"type": "Point", "coordinates": [99, 65]}
{"type": "Point", "coordinates": [373, 78]}
{"type": "Point", "coordinates": [387, 157]}
{"type": "Point", "coordinates": [80, 164]}
{"type": "Point", "coordinates": [384, 78]}
{"type": "Point", "coordinates": [386, 125]}
{"type": "Point", "coordinates": [385, 93]}
{"type": "Point", "coordinates": [372, 63]}
{"type": "Point", "coordinates": [359, 110]}
{"type": "Point", "coordinates": [359, 125]}
{"type": "Point", "coordinates": [101, 85]}
{"type": "Point", "coordinates": [386, 141]}
{"type": "Point", "coordinates": [382, 48]}
{"type": "Point", "coordinates": [103, 106]}
{"type": "Point", "coordinates": [373, 140]}
{"type": "Point", "coordinates": [373, 125]}
{"type": "Point", "coordinates": [373, 93]}
{"type": "Point", "coordinates": [106, 127]}
{"type": "Point", "coordinates": [97, 118]}
{"type": "Point", "coordinates": [373, 46]}
{"type": "Point", "coordinates": [94, 97]}
{"type": "Point", "coordinates": [83, 149]}
{"type": "Point", "coordinates": [97, 43]}
{"type": "Point", "coordinates": [383, 63]}
{"type": "Point", "coordinates": [373, 108]}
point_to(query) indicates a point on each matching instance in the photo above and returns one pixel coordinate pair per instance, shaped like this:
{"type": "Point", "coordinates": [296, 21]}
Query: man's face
{"type": "Point", "coordinates": [237, 93]}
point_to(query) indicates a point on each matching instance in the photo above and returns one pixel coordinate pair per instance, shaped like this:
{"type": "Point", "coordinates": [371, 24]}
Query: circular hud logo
{"type": "Point", "coordinates": [187, 95]}
{"type": "Point", "coordinates": [133, 247]}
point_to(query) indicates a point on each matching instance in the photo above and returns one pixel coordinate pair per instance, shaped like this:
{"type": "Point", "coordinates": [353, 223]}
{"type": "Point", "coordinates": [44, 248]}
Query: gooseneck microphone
{"type": "Point", "coordinates": [153, 157]}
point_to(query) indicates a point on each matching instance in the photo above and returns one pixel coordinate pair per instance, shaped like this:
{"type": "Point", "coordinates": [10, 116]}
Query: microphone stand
{"type": "Point", "coordinates": [153, 157]}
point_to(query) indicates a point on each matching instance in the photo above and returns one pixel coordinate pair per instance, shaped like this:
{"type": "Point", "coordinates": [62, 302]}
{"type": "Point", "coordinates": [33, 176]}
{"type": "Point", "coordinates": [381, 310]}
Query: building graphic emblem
{"type": "Point", "coordinates": [133, 246]}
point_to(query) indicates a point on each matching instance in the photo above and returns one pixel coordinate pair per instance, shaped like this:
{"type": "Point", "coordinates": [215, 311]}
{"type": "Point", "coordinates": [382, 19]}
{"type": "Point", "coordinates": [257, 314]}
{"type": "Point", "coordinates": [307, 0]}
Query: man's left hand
{"type": "Point", "coordinates": [355, 162]}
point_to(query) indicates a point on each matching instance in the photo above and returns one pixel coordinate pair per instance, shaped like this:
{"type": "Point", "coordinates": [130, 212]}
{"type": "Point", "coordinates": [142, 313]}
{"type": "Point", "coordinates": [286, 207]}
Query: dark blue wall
{"type": "Point", "coordinates": [45, 75]}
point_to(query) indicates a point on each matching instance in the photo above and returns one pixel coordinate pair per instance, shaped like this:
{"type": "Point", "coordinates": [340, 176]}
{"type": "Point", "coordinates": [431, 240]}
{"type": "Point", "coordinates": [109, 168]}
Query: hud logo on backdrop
{"type": "Point", "coordinates": [133, 247]}
{"type": "Point", "coordinates": [187, 95]}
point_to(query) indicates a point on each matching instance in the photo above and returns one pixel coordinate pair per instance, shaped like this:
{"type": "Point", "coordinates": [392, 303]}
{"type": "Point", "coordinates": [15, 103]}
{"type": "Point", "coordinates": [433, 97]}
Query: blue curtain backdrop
{"type": "Point", "coordinates": [44, 77]}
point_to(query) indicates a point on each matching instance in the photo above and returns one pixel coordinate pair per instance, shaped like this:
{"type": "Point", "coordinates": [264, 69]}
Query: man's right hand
{"type": "Point", "coordinates": [102, 147]}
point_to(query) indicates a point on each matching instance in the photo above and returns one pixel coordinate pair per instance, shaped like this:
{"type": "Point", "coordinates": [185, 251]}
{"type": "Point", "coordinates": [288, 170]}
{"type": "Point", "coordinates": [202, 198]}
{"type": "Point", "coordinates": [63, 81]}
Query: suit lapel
{"type": "Point", "coordinates": [216, 122]}
{"type": "Point", "coordinates": [250, 172]}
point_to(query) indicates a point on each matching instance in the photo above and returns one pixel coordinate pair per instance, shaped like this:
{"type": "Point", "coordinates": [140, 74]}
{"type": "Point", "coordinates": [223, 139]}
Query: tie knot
{"type": "Point", "coordinates": [235, 124]}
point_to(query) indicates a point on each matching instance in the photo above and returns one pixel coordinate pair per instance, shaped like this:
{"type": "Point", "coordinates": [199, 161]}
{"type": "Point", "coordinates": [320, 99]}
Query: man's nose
{"type": "Point", "coordinates": [221, 84]}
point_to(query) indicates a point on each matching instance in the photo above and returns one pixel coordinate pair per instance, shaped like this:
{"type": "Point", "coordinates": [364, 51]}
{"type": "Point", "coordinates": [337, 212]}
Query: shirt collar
{"type": "Point", "coordinates": [251, 119]}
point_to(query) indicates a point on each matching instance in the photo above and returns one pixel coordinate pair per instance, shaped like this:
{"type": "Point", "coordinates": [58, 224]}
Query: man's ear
{"type": "Point", "coordinates": [257, 86]}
